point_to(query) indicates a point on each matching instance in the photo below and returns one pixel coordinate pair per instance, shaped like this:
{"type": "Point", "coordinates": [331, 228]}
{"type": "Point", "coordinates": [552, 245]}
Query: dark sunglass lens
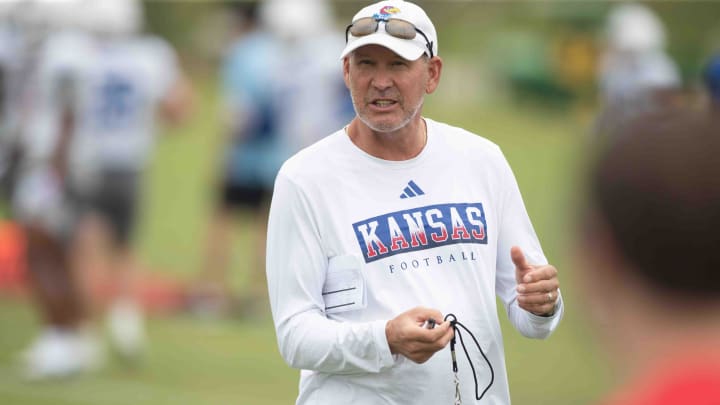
{"type": "Point", "coordinates": [400, 29]}
{"type": "Point", "coordinates": [363, 26]}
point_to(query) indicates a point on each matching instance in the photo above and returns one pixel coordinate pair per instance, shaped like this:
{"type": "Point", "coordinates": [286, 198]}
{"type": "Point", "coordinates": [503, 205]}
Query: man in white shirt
{"type": "Point", "coordinates": [392, 223]}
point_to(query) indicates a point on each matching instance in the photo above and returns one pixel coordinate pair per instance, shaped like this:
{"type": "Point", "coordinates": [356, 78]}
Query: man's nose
{"type": "Point", "coordinates": [382, 80]}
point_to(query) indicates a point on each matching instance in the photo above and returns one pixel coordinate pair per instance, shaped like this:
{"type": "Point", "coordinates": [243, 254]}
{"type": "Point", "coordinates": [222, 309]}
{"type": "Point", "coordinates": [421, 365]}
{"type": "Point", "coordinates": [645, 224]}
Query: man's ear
{"type": "Point", "coordinates": [434, 70]}
{"type": "Point", "coordinates": [346, 71]}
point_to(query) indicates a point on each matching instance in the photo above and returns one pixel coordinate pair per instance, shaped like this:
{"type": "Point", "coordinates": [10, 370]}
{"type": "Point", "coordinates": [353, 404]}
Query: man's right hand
{"type": "Point", "coordinates": [407, 336]}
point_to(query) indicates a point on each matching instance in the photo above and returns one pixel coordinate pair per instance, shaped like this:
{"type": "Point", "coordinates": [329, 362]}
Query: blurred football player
{"type": "Point", "coordinates": [101, 87]}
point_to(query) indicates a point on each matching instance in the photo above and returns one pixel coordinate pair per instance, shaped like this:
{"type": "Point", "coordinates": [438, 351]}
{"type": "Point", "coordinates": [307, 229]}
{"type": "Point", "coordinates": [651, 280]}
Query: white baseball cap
{"type": "Point", "coordinates": [409, 49]}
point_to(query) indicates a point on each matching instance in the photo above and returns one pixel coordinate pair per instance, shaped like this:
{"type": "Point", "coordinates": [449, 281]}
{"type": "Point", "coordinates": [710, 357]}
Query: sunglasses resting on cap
{"type": "Point", "coordinates": [397, 28]}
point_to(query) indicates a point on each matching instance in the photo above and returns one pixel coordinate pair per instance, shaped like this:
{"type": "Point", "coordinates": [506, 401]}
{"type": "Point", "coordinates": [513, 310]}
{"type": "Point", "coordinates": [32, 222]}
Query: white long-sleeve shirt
{"type": "Point", "coordinates": [354, 240]}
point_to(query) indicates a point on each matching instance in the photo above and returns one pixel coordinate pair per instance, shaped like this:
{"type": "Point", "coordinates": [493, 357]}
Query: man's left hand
{"type": "Point", "coordinates": [538, 285]}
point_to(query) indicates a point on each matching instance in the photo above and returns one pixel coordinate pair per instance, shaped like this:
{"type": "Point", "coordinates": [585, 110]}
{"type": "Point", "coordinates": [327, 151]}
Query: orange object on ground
{"type": "Point", "coordinates": [12, 257]}
{"type": "Point", "coordinates": [158, 294]}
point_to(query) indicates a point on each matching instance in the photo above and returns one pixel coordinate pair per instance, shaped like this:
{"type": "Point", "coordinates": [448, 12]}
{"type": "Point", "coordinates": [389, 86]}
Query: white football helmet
{"type": "Point", "coordinates": [296, 18]}
{"type": "Point", "coordinates": [634, 27]}
{"type": "Point", "coordinates": [109, 17]}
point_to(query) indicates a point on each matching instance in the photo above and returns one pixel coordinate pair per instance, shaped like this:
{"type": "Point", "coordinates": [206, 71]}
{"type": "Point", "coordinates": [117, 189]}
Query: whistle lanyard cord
{"type": "Point", "coordinates": [455, 323]}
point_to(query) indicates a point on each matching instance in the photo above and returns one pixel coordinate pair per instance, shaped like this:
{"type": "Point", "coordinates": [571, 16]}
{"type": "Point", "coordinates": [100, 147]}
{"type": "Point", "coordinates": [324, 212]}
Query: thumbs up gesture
{"type": "Point", "coordinates": [537, 284]}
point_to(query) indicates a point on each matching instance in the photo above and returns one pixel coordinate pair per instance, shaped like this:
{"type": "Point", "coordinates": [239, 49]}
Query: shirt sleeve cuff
{"type": "Point", "coordinates": [550, 321]}
{"type": "Point", "coordinates": [385, 358]}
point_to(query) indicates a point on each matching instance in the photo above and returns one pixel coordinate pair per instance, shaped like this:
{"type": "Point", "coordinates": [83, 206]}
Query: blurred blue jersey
{"type": "Point", "coordinates": [250, 94]}
{"type": "Point", "coordinates": [712, 77]}
{"type": "Point", "coordinates": [283, 95]}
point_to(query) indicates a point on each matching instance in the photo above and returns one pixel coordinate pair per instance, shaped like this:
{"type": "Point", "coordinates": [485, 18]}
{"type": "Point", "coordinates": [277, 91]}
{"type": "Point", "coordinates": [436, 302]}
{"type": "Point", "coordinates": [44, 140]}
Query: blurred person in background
{"type": "Point", "coordinates": [635, 73]}
{"type": "Point", "coordinates": [282, 90]}
{"type": "Point", "coordinates": [62, 347]}
{"type": "Point", "coordinates": [309, 48]}
{"type": "Point", "coordinates": [379, 229]}
{"type": "Point", "coordinates": [711, 78]}
{"type": "Point", "coordinates": [649, 257]}
{"type": "Point", "coordinates": [12, 54]}
{"type": "Point", "coordinates": [102, 86]}
{"type": "Point", "coordinates": [251, 152]}
{"type": "Point", "coordinates": [24, 27]}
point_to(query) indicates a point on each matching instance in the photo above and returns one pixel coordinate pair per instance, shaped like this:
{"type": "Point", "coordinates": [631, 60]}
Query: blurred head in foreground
{"type": "Point", "coordinates": [650, 251]}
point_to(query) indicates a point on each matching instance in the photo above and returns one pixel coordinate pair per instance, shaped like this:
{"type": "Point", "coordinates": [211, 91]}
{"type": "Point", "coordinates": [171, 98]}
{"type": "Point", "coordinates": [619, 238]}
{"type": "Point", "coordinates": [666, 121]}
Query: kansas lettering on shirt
{"type": "Point", "coordinates": [421, 228]}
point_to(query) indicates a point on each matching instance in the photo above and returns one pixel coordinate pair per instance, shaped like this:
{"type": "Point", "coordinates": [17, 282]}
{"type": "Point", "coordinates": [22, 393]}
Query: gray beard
{"type": "Point", "coordinates": [388, 128]}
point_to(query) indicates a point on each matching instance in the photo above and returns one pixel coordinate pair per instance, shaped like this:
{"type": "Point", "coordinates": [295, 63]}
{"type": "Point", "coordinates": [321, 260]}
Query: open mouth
{"type": "Point", "coordinates": [383, 103]}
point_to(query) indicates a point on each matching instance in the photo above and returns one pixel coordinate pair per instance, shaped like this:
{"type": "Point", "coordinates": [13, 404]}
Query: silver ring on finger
{"type": "Point", "coordinates": [550, 297]}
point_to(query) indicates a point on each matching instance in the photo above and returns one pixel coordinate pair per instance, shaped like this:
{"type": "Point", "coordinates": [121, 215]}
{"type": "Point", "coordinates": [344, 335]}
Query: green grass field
{"type": "Point", "coordinates": [235, 361]}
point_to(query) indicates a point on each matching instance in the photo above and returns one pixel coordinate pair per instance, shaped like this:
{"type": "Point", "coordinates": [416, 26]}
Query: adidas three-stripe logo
{"type": "Point", "coordinates": [412, 190]}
